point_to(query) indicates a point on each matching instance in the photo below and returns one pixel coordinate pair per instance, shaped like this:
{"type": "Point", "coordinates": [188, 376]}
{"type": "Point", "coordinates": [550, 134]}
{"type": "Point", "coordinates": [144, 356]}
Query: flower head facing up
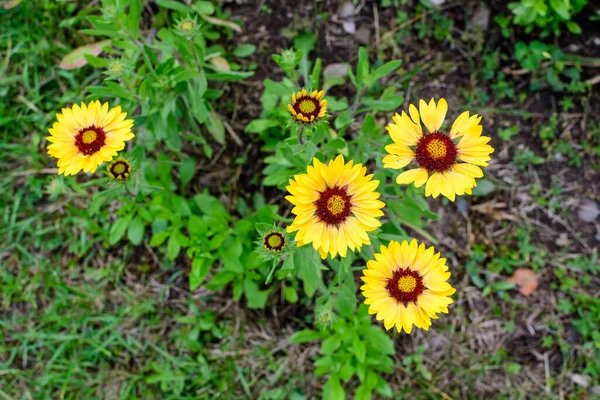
{"type": "Point", "coordinates": [86, 136]}
{"type": "Point", "coordinates": [187, 27]}
{"type": "Point", "coordinates": [308, 108]}
{"type": "Point", "coordinates": [406, 284]}
{"type": "Point", "coordinates": [119, 169]}
{"type": "Point", "coordinates": [273, 242]}
{"type": "Point", "coordinates": [447, 163]}
{"type": "Point", "coordinates": [335, 206]}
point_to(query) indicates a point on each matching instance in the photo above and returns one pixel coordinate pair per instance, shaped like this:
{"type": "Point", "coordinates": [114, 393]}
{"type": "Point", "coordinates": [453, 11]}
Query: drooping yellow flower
{"type": "Point", "coordinates": [308, 108]}
{"type": "Point", "coordinates": [119, 169]}
{"type": "Point", "coordinates": [406, 285]}
{"type": "Point", "coordinates": [335, 206]}
{"type": "Point", "coordinates": [86, 136]}
{"type": "Point", "coordinates": [447, 163]}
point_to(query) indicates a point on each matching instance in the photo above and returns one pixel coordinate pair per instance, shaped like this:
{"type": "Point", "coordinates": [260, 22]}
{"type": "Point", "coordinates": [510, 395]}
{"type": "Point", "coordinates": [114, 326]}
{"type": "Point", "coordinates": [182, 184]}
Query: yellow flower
{"type": "Point", "coordinates": [406, 285]}
{"type": "Point", "coordinates": [84, 137]}
{"type": "Point", "coordinates": [119, 169]}
{"type": "Point", "coordinates": [335, 206]}
{"type": "Point", "coordinates": [448, 163]}
{"type": "Point", "coordinates": [307, 108]}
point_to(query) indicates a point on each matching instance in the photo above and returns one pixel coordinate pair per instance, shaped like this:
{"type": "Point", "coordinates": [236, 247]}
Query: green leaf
{"type": "Point", "coordinates": [333, 390]}
{"type": "Point", "coordinates": [175, 5]}
{"type": "Point", "coordinates": [573, 27]}
{"type": "Point", "coordinates": [315, 75]}
{"type": "Point", "coordinates": [377, 339]}
{"type": "Point", "coordinates": [276, 88]}
{"type": "Point", "coordinates": [229, 76]}
{"type": "Point", "coordinates": [345, 303]}
{"type": "Point", "coordinates": [159, 238]}
{"type": "Point", "coordinates": [359, 348]}
{"type": "Point", "coordinates": [362, 68]}
{"type": "Point", "coordinates": [260, 125]}
{"type": "Point", "coordinates": [484, 187]}
{"type": "Point", "coordinates": [343, 120]}
{"type": "Point", "coordinates": [384, 70]}
{"type": "Point", "coordinates": [244, 50]}
{"type": "Point", "coordinates": [200, 267]}
{"type": "Point", "coordinates": [133, 19]}
{"type": "Point", "coordinates": [331, 344]}
{"type": "Point", "coordinates": [561, 7]}
{"type": "Point", "coordinates": [118, 228]}
{"type": "Point", "coordinates": [369, 126]}
{"type": "Point", "coordinates": [255, 297]}
{"type": "Point", "coordinates": [135, 232]}
{"type": "Point", "coordinates": [204, 7]}
{"type": "Point", "coordinates": [216, 128]}
{"type": "Point", "coordinates": [309, 270]}
{"type": "Point", "coordinates": [173, 246]}
{"type": "Point", "coordinates": [96, 62]}
{"type": "Point", "coordinates": [305, 336]}
{"type": "Point", "coordinates": [119, 91]}
{"type": "Point", "coordinates": [187, 169]}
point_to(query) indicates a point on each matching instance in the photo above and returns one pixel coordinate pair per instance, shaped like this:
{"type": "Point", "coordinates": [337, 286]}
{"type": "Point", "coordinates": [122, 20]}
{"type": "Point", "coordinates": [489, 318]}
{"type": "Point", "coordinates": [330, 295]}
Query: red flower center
{"type": "Point", "coordinates": [90, 140]}
{"type": "Point", "coordinates": [405, 286]}
{"type": "Point", "coordinates": [436, 152]}
{"type": "Point", "coordinates": [333, 207]}
{"type": "Point", "coordinates": [307, 106]}
{"type": "Point", "coordinates": [274, 241]}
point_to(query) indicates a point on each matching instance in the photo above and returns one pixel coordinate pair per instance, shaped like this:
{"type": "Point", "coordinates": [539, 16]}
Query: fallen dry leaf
{"type": "Point", "coordinates": [11, 4]}
{"type": "Point", "coordinates": [526, 280]}
{"type": "Point", "coordinates": [220, 63]}
{"type": "Point", "coordinates": [76, 58]}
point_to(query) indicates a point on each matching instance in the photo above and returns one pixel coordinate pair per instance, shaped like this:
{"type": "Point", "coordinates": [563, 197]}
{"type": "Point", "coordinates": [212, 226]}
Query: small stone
{"type": "Point", "coordinates": [563, 240]}
{"type": "Point", "coordinates": [336, 70]}
{"type": "Point", "coordinates": [349, 26]}
{"type": "Point", "coordinates": [346, 9]}
{"type": "Point", "coordinates": [588, 210]}
{"type": "Point", "coordinates": [481, 18]}
{"type": "Point", "coordinates": [363, 35]}
{"type": "Point", "coordinates": [581, 380]}
{"type": "Point", "coordinates": [437, 3]}
{"type": "Point", "coordinates": [596, 41]}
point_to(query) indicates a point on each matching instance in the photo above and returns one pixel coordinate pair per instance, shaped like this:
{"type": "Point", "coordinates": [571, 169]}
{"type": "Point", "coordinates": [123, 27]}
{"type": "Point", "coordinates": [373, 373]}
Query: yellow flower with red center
{"type": "Point", "coordinates": [86, 136]}
{"type": "Point", "coordinates": [308, 108]}
{"type": "Point", "coordinates": [447, 163]}
{"type": "Point", "coordinates": [335, 206]}
{"type": "Point", "coordinates": [406, 284]}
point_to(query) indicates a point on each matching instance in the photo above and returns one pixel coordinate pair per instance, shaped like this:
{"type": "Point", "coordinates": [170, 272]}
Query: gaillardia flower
{"type": "Point", "coordinates": [84, 137]}
{"type": "Point", "coordinates": [308, 108]}
{"type": "Point", "coordinates": [273, 241]}
{"type": "Point", "coordinates": [447, 163]}
{"type": "Point", "coordinates": [119, 169]}
{"type": "Point", "coordinates": [335, 206]}
{"type": "Point", "coordinates": [407, 285]}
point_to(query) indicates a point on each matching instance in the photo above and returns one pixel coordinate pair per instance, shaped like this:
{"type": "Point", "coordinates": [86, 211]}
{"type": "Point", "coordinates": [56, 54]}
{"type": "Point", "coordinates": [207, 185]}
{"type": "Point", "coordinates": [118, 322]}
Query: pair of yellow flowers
{"type": "Point", "coordinates": [336, 205]}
